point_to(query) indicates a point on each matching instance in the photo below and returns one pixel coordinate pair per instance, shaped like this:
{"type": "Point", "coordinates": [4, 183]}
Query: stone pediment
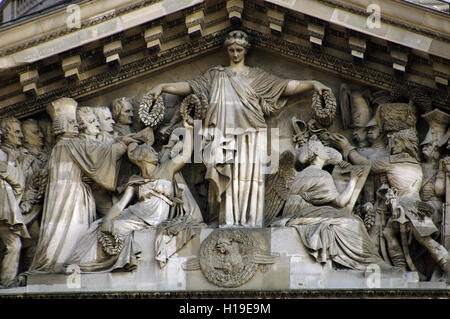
{"type": "Point", "coordinates": [381, 71]}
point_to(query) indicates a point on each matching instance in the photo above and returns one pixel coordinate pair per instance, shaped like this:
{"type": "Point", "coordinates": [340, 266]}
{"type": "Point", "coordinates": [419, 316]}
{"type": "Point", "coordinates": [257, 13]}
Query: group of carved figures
{"type": "Point", "coordinates": [74, 190]}
{"type": "Point", "coordinates": [379, 181]}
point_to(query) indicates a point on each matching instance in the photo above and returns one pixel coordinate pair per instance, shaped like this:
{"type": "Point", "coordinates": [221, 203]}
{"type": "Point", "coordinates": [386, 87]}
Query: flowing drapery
{"type": "Point", "coordinates": [69, 206]}
{"type": "Point", "coordinates": [235, 140]}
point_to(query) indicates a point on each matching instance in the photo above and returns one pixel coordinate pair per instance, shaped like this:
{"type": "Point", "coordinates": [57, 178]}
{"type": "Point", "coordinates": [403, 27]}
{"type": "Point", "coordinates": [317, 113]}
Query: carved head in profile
{"type": "Point", "coordinates": [32, 133]}
{"type": "Point", "coordinates": [87, 121]}
{"type": "Point", "coordinates": [11, 131]}
{"type": "Point", "coordinates": [359, 135]}
{"type": "Point", "coordinates": [311, 150]}
{"type": "Point", "coordinates": [64, 116]}
{"type": "Point", "coordinates": [222, 245]}
{"type": "Point", "coordinates": [46, 127]}
{"type": "Point", "coordinates": [237, 45]}
{"type": "Point", "coordinates": [405, 141]}
{"type": "Point", "coordinates": [438, 122]}
{"type": "Point", "coordinates": [430, 148]}
{"type": "Point", "coordinates": [122, 110]}
{"type": "Point", "coordinates": [229, 250]}
{"type": "Point", "coordinates": [105, 118]}
{"type": "Point", "coordinates": [360, 115]}
{"type": "Point", "coordinates": [373, 129]}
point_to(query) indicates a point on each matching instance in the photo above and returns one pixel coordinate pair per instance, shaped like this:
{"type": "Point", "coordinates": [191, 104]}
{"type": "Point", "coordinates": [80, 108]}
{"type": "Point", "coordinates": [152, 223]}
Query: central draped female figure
{"type": "Point", "coordinates": [235, 141]}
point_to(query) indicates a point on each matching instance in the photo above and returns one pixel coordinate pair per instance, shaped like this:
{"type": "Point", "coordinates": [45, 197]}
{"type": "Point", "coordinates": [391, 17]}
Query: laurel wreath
{"type": "Point", "coordinates": [111, 244]}
{"type": "Point", "coordinates": [324, 107]}
{"type": "Point", "coordinates": [151, 112]}
{"type": "Point", "coordinates": [194, 107]}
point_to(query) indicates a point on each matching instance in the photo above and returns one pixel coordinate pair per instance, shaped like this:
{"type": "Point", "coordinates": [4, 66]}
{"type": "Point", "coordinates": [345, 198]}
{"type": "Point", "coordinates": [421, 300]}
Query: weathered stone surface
{"type": "Point", "coordinates": [357, 137]}
{"type": "Point", "coordinates": [295, 269]}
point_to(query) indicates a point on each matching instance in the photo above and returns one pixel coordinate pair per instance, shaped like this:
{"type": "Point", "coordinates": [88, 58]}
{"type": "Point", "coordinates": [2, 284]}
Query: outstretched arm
{"type": "Point", "coordinates": [177, 88]}
{"type": "Point", "coordinates": [295, 87]}
{"type": "Point", "coordinates": [345, 196]}
{"type": "Point", "coordinates": [349, 151]}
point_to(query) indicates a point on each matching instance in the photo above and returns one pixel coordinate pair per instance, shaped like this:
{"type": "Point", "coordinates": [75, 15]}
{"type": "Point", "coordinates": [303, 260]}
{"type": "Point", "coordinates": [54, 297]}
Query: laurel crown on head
{"type": "Point", "coordinates": [238, 37]}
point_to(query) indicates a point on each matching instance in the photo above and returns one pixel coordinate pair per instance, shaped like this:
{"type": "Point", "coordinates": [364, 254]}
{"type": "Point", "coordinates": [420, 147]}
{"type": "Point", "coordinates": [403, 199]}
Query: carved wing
{"type": "Point", "coordinates": [294, 204]}
{"type": "Point", "coordinates": [278, 186]}
{"type": "Point", "coordinates": [345, 106]}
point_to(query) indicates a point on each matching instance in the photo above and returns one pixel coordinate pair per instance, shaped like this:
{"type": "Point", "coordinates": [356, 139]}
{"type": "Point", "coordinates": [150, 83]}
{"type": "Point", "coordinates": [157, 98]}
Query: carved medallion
{"type": "Point", "coordinates": [231, 257]}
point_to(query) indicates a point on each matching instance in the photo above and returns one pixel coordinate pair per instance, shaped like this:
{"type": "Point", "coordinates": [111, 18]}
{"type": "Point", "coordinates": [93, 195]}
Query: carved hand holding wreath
{"type": "Point", "coordinates": [324, 107]}
{"type": "Point", "coordinates": [151, 112]}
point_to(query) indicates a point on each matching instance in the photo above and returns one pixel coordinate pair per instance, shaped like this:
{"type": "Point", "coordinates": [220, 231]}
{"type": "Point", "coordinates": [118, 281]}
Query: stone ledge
{"type": "Point", "coordinates": [295, 273]}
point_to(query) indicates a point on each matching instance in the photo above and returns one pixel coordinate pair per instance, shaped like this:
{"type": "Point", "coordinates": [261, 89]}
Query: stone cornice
{"type": "Point", "coordinates": [98, 83]}
{"type": "Point", "coordinates": [103, 17]}
{"type": "Point", "coordinates": [13, 55]}
{"type": "Point", "coordinates": [92, 78]}
{"type": "Point", "coordinates": [400, 30]}
{"type": "Point", "coordinates": [332, 63]}
{"type": "Point", "coordinates": [403, 24]}
{"type": "Point", "coordinates": [140, 68]}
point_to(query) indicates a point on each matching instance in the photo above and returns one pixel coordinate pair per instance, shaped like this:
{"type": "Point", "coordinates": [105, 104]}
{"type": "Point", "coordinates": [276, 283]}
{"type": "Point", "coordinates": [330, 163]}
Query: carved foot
{"type": "Point", "coordinates": [19, 281]}
{"type": "Point", "coordinates": [444, 263]}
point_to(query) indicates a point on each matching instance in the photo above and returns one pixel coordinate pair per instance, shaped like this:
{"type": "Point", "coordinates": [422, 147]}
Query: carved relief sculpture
{"type": "Point", "coordinates": [103, 197]}
{"type": "Point", "coordinates": [314, 207]}
{"type": "Point", "coordinates": [405, 176]}
{"type": "Point", "coordinates": [122, 112]}
{"type": "Point", "coordinates": [35, 157]}
{"type": "Point", "coordinates": [114, 232]}
{"type": "Point", "coordinates": [208, 155]}
{"type": "Point", "coordinates": [356, 113]}
{"type": "Point", "coordinates": [13, 231]}
{"type": "Point", "coordinates": [239, 97]}
{"type": "Point", "coordinates": [89, 127]}
{"type": "Point", "coordinates": [106, 122]}
{"type": "Point", "coordinates": [231, 257]}
{"type": "Point", "coordinates": [88, 124]}
{"type": "Point", "coordinates": [376, 149]}
{"type": "Point", "coordinates": [430, 192]}
{"type": "Point", "coordinates": [69, 206]}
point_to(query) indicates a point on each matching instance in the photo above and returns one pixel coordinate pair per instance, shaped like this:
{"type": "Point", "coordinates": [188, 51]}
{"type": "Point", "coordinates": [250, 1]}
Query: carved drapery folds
{"type": "Point", "coordinates": [376, 167]}
{"type": "Point", "coordinates": [391, 210]}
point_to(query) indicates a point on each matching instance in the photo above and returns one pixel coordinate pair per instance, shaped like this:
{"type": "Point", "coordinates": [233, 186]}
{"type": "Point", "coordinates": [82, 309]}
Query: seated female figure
{"type": "Point", "coordinates": [314, 208]}
{"type": "Point", "coordinates": [109, 243]}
